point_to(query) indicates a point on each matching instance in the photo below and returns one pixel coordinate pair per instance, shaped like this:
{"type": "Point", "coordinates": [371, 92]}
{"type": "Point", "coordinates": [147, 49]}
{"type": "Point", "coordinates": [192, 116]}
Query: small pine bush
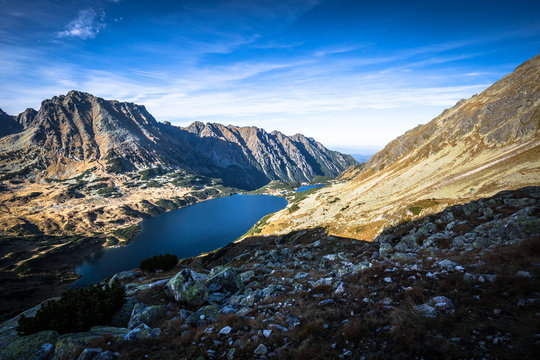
{"type": "Point", "coordinates": [76, 311]}
{"type": "Point", "coordinates": [159, 262]}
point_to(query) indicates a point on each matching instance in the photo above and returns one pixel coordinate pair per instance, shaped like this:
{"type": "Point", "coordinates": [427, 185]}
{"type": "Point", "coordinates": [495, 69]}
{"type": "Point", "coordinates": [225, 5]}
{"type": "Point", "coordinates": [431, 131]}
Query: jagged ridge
{"type": "Point", "coordinates": [74, 132]}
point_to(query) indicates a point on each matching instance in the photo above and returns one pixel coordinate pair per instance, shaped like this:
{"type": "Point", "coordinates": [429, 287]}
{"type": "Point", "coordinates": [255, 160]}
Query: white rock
{"type": "Point", "coordinates": [267, 333]}
{"type": "Point", "coordinates": [225, 331]}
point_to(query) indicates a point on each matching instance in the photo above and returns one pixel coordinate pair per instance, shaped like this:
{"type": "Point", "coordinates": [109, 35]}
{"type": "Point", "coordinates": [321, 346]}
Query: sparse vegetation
{"type": "Point", "coordinates": [416, 210]}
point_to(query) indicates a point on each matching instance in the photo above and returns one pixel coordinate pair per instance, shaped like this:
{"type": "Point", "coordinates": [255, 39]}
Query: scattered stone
{"type": "Point", "coordinates": [261, 350]}
{"type": "Point", "coordinates": [426, 310]}
{"type": "Point", "coordinates": [388, 279]}
{"type": "Point", "coordinates": [526, 302]}
{"type": "Point", "coordinates": [447, 264]}
{"type": "Point", "coordinates": [225, 331]}
{"type": "Point", "coordinates": [524, 274]}
{"type": "Point", "coordinates": [246, 276]}
{"type": "Point", "coordinates": [267, 333]}
{"type": "Point", "coordinates": [326, 302]}
{"type": "Point", "coordinates": [224, 277]}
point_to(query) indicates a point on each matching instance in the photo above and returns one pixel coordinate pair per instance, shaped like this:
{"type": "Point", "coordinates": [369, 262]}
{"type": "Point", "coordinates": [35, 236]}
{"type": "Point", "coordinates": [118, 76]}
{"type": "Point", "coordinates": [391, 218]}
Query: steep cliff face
{"type": "Point", "coordinates": [480, 146]}
{"type": "Point", "coordinates": [78, 131]}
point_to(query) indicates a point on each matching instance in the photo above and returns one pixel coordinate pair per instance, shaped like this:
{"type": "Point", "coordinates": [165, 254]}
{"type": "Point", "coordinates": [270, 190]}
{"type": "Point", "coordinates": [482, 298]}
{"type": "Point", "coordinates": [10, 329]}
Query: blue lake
{"type": "Point", "coordinates": [308, 187]}
{"type": "Point", "coordinates": [186, 232]}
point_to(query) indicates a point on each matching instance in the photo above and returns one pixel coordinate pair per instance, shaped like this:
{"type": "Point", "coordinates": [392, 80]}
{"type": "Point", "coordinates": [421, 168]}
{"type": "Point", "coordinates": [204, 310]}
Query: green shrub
{"type": "Point", "coordinates": [76, 311]}
{"type": "Point", "coordinates": [159, 262]}
{"type": "Point", "coordinates": [415, 210]}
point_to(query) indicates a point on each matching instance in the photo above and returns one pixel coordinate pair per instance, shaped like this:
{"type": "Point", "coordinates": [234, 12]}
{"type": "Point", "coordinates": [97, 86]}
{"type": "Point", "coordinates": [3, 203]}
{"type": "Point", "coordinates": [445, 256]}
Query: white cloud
{"type": "Point", "coordinates": [86, 26]}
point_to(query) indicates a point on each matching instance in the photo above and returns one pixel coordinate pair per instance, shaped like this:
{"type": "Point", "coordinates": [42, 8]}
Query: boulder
{"type": "Point", "coordinates": [188, 287]}
{"type": "Point", "coordinates": [224, 278]}
{"type": "Point", "coordinates": [246, 276]}
{"type": "Point", "coordinates": [407, 243]}
{"type": "Point", "coordinates": [37, 346]}
{"type": "Point", "coordinates": [142, 287]}
{"type": "Point", "coordinates": [142, 331]}
{"type": "Point", "coordinates": [149, 315]}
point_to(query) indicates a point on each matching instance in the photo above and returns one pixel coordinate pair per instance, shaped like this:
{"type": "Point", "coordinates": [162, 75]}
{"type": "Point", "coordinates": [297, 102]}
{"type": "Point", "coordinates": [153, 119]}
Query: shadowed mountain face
{"type": "Point", "coordinates": [480, 146]}
{"type": "Point", "coordinates": [8, 124]}
{"type": "Point", "coordinates": [75, 132]}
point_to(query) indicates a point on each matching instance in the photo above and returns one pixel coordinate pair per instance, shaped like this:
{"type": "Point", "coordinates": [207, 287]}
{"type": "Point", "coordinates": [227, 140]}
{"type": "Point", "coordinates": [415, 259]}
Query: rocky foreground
{"type": "Point", "coordinates": [463, 283]}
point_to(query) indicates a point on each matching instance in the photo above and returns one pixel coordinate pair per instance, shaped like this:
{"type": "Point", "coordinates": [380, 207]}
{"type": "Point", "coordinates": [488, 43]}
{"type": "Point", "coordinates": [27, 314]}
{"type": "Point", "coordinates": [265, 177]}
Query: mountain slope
{"type": "Point", "coordinates": [279, 157]}
{"type": "Point", "coordinates": [480, 146]}
{"type": "Point", "coordinates": [78, 131]}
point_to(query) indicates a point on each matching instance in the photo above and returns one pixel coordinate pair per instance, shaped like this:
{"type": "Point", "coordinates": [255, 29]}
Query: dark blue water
{"type": "Point", "coordinates": [185, 232]}
{"type": "Point", "coordinates": [308, 187]}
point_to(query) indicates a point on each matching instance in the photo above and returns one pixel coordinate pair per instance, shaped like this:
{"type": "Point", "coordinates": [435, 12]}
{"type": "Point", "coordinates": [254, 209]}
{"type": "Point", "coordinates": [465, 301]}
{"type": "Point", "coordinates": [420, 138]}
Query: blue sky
{"type": "Point", "coordinates": [351, 74]}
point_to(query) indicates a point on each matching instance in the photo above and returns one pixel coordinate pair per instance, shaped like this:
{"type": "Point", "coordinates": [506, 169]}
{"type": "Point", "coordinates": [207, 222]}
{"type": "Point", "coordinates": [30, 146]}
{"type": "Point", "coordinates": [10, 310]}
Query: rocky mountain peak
{"type": "Point", "coordinates": [78, 131]}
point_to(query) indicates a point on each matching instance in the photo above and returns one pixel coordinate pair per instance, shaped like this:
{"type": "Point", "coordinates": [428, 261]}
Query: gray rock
{"type": "Point", "coordinates": [524, 274]}
{"type": "Point", "coordinates": [246, 276]}
{"type": "Point", "coordinates": [407, 243]}
{"type": "Point", "coordinates": [90, 353]}
{"type": "Point", "coordinates": [442, 303]}
{"type": "Point", "coordinates": [426, 310]}
{"type": "Point", "coordinates": [96, 354]}
{"type": "Point", "coordinates": [224, 277]}
{"type": "Point", "coordinates": [124, 276]}
{"type": "Point", "coordinates": [526, 302]}
{"type": "Point", "coordinates": [184, 314]}
{"type": "Point", "coordinates": [187, 286]}
{"type": "Point", "coordinates": [261, 350]}
{"type": "Point", "coordinates": [326, 302]}
{"type": "Point", "coordinates": [225, 331]}
{"type": "Point", "coordinates": [447, 264]}
{"type": "Point", "coordinates": [142, 287]}
{"type": "Point", "coordinates": [149, 315]}
{"type": "Point", "coordinates": [301, 276]}
{"type": "Point", "coordinates": [205, 315]}
{"type": "Point", "coordinates": [142, 331]}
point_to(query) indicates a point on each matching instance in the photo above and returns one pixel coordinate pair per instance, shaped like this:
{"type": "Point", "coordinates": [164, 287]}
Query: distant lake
{"type": "Point", "coordinates": [308, 187]}
{"type": "Point", "coordinates": [186, 232]}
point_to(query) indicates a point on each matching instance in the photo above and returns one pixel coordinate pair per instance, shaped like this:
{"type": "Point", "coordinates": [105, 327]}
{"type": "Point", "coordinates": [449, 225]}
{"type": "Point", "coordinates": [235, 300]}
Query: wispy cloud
{"type": "Point", "coordinates": [86, 26]}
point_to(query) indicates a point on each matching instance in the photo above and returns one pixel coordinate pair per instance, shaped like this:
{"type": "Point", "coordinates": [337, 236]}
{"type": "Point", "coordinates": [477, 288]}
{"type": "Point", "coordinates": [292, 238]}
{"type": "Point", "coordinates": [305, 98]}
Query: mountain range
{"type": "Point", "coordinates": [73, 133]}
